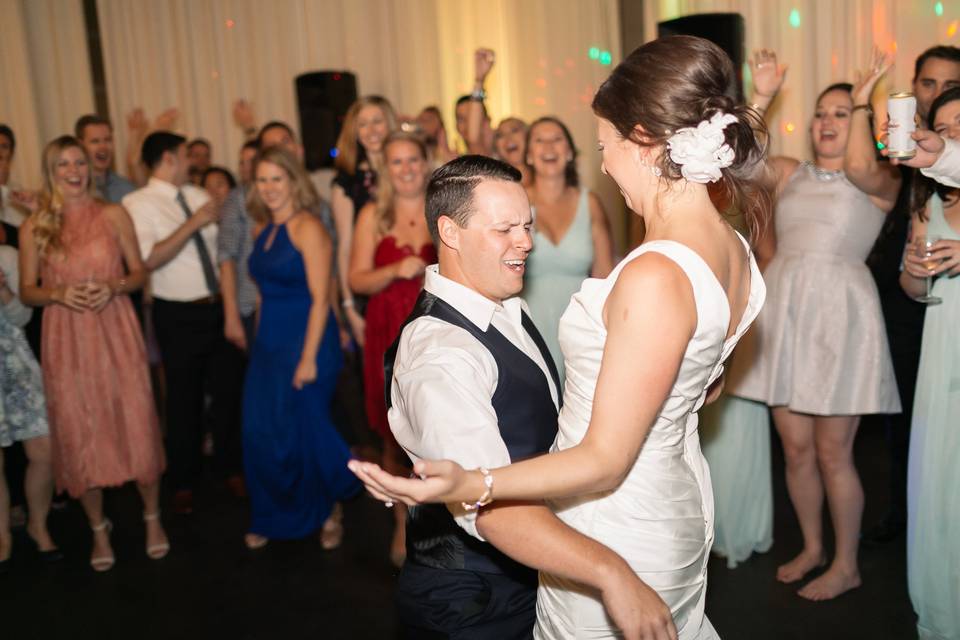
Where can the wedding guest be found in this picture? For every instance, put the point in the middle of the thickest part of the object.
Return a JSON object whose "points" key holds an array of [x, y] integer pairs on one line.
{"points": [[571, 232], [391, 249], [933, 560], [245, 164], [176, 230], [95, 133], [103, 426], [823, 359], [218, 182], [359, 160], [294, 459], [510, 145], [430, 121], [199, 155], [23, 418]]}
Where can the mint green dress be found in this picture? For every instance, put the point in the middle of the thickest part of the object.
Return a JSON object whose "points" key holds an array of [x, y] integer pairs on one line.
{"points": [[555, 272], [933, 475]]}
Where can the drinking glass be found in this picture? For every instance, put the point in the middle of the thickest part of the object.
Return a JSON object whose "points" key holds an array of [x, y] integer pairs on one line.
{"points": [[922, 248]]}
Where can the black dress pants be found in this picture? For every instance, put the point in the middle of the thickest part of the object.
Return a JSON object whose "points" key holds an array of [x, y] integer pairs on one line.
{"points": [[196, 356]]}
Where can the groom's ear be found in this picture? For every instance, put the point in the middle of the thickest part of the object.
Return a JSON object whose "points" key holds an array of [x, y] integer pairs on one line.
{"points": [[449, 232]]}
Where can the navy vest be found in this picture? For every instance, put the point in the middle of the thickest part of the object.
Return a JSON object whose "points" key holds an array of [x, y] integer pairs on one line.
{"points": [[527, 419]]}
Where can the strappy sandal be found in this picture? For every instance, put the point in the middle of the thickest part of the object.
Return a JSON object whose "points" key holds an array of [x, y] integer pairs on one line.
{"points": [[161, 549], [103, 563]]}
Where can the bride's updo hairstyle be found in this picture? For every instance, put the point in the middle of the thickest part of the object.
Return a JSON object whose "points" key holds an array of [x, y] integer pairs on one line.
{"points": [[679, 81]]}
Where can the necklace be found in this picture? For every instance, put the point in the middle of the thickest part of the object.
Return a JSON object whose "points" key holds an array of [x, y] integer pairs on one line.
{"points": [[826, 175]]}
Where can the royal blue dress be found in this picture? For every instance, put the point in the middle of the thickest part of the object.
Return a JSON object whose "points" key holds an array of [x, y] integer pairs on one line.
{"points": [[294, 459]]}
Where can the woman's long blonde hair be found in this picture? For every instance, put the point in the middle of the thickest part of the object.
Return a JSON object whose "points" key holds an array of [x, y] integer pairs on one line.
{"points": [[385, 213], [348, 143], [304, 194], [48, 218]]}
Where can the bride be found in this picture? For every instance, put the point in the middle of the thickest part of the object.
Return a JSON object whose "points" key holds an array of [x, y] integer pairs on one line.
{"points": [[643, 346]]}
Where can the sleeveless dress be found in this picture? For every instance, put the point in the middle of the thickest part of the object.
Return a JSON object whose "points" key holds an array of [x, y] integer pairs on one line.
{"points": [[294, 460], [23, 409], [660, 519], [103, 424], [822, 340], [555, 272], [933, 477], [386, 313]]}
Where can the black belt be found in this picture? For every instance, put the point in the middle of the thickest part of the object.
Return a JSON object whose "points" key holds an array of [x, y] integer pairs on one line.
{"points": [[213, 299]]}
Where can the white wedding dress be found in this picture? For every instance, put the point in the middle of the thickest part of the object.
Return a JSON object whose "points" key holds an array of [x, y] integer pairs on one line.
{"points": [[660, 519]]}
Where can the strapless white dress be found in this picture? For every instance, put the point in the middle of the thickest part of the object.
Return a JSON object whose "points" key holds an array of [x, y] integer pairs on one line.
{"points": [[660, 519]]}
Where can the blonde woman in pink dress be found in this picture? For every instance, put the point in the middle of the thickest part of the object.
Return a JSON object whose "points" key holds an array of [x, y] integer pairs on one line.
{"points": [[103, 424]]}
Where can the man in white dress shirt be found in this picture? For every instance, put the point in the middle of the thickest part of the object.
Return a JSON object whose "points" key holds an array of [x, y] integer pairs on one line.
{"points": [[472, 381], [176, 229]]}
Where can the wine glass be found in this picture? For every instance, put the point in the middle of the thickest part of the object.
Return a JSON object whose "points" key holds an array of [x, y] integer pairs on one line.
{"points": [[923, 248]]}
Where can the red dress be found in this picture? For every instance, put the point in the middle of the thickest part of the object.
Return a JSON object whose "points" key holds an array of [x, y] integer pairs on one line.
{"points": [[386, 312], [103, 425]]}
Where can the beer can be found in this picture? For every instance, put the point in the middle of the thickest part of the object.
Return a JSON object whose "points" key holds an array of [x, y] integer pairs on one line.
{"points": [[902, 109]]}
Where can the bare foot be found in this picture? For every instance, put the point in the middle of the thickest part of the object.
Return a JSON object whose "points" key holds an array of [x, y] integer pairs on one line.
{"points": [[800, 566], [831, 584]]}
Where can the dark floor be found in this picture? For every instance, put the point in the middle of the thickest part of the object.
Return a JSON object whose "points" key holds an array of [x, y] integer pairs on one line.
{"points": [[211, 587]]}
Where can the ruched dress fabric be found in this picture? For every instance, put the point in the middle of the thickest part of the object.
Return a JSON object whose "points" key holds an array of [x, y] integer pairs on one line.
{"points": [[933, 476], [822, 342], [555, 272], [660, 518], [294, 460], [387, 310], [735, 437], [103, 424]]}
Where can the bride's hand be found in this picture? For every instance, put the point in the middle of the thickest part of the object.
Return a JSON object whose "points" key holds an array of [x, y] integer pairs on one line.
{"points": [[438, 481]]}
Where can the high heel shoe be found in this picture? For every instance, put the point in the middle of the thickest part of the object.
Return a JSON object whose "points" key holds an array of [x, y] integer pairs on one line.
{"points": [[48, 556], [103, 563], [332, 533], [159, 550]]}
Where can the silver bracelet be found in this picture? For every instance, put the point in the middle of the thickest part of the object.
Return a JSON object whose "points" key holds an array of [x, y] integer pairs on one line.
{"points": [[487, 496], [347, 303]]}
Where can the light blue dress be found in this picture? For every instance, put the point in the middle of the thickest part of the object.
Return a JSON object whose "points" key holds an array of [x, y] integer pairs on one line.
{"points": [[933, 476], [735, 438], [23, 409], [555, 272]]}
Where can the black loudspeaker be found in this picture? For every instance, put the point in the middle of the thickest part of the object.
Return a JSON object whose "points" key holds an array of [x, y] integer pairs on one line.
{"points": [[323, 98], [723, 29]]}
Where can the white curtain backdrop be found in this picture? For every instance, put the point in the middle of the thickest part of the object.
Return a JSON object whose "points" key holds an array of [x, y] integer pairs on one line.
{"points": [[201, 55], [45, 78], [827, 41]]}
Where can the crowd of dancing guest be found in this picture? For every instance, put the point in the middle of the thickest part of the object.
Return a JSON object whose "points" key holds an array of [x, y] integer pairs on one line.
{"points": [[272, 312]]}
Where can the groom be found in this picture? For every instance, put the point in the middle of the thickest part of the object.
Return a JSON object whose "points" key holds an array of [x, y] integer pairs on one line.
{"points": [[472, 381]]}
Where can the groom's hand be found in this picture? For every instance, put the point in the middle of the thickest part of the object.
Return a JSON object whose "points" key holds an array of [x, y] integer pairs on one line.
{"points": [[637, 609]]}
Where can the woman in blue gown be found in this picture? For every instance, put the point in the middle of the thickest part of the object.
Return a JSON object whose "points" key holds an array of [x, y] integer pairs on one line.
{"points": [[294, 459]]}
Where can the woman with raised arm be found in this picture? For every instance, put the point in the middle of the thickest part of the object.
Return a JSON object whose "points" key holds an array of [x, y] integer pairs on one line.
{"points": [[103, 424], [292, 455], [823, 359], [626, 468], [931, 264]]}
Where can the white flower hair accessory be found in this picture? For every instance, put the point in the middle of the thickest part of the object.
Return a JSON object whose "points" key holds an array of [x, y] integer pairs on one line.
{"points": [[702, 151]]}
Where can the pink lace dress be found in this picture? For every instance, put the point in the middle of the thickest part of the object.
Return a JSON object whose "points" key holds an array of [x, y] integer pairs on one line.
{"points": [[103, 423]]}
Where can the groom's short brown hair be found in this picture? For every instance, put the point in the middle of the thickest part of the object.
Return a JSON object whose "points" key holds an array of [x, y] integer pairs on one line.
{"points": [[450, 191]]}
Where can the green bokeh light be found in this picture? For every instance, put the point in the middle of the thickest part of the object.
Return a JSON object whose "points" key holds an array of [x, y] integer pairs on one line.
{"points": [[938, 9], [594, 53], [605, 57], [795, 18]]}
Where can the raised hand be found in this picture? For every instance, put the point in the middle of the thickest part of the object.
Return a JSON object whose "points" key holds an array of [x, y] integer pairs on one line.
{"points": [[209, 213], [482, 63], [137, 123], [929, 147], [768, 75], [167, 120], [243, 115], [867, 79]]}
